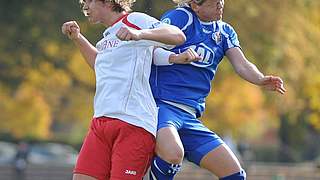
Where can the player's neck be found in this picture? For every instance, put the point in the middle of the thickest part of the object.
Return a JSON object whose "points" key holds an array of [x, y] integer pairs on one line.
{"points": [[112, 18]]}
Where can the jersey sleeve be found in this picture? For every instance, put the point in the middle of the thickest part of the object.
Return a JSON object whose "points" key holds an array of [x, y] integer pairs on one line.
{"points": [[161, 57], [179, 17], [144, 21], [231, 37]]}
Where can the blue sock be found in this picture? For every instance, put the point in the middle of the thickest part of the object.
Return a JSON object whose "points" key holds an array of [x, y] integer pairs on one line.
{"points": [[161, 170], [236, 176]]}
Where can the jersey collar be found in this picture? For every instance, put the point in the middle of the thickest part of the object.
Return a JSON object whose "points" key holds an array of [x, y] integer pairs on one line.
{"points": [[106, 32]]}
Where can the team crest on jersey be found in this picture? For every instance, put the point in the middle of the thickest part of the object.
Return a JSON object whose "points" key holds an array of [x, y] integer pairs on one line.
{"points": [[216, 36], [166, 20]]}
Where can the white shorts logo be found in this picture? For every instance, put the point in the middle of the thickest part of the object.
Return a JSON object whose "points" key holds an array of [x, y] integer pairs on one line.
{"points": [[131, 172]]}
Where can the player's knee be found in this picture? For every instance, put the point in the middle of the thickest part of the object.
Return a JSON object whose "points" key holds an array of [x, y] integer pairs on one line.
{"points": [[236, 176], [173, 156]]}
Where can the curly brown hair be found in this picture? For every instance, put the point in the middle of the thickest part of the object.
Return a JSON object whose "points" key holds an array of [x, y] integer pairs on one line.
{"points": [[118, 5]]}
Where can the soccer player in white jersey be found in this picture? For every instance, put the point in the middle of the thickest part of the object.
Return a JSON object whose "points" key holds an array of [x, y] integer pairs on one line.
{"points": [[180, 91], [121, 139]]}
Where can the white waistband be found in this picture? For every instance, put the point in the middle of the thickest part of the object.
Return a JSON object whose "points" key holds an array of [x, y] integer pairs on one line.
{"points": [[186, 108]]}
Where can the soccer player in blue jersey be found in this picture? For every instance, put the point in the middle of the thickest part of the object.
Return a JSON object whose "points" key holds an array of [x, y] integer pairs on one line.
{"points": [[180, 91]]}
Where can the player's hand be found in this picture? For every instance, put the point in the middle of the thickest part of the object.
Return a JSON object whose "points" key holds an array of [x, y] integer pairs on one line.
{"points": [[186, 57], [273, 83], [71, 29], [128, 34]]}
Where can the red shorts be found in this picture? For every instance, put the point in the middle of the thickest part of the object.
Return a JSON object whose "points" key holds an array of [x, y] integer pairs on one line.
{"points": [[114, 149]]}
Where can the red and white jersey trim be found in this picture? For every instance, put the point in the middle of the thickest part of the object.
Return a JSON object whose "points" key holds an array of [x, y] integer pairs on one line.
{"points": [[129, 24]]}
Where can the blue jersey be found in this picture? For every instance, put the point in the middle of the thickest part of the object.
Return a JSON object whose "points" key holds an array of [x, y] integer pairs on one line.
{"points": [[190, 84]]}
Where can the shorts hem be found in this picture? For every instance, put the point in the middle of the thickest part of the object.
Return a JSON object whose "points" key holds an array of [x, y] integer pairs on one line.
{"points": [[164, 125], [87, 173], [204, 150]]}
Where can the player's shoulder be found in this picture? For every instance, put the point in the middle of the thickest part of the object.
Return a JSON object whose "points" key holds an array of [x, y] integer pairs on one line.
{"points": [[181, 17], [226, 27], [138, 16], [142, 20]]}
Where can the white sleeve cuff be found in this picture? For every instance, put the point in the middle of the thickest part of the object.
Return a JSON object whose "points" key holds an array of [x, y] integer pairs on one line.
{"points": [[161, 57]]}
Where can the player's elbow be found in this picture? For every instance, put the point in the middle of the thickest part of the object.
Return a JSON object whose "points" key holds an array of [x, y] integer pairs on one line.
{"points": [[180, 38]]}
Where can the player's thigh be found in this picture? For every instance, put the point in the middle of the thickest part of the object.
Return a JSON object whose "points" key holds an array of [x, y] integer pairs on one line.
{"points": [[221, 161], [95, 155], [132, 153], [198, 140], [168, 145]]}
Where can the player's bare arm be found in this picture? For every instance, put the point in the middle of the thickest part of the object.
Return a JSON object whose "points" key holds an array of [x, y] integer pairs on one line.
{"points": [[88, 51], [186, 57], [167, 35], [165, 57], [250, 72]]}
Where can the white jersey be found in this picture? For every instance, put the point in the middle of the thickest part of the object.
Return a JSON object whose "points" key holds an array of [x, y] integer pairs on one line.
{"points": [[122, 71]]}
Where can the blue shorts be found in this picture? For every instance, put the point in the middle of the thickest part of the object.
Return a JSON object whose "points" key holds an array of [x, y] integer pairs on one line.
{"points": [[197, 139]]}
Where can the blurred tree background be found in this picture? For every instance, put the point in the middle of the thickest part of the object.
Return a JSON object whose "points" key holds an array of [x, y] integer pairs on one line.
{"points": [[46, 88]]}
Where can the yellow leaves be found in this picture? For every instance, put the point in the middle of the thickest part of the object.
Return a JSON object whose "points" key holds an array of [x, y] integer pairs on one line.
{"points": [[52, 82], [51, 48], [236, 105], [314, 120], [79, 108], [289, 103], [33, 116], [81, 69], [313, 92], [5, 105], [46, 95], [29, 111], [298, 39], [251, 10], [26, 114]]}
